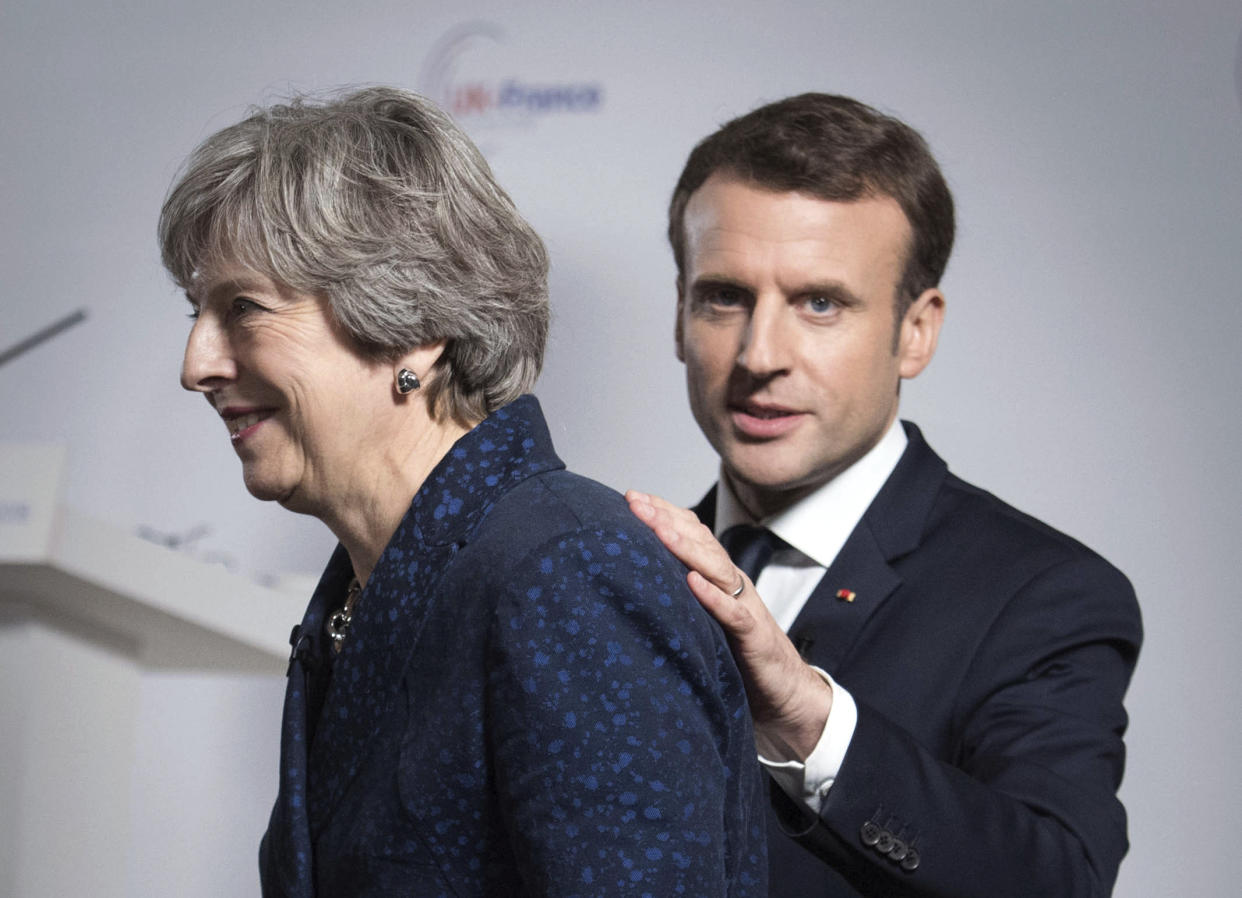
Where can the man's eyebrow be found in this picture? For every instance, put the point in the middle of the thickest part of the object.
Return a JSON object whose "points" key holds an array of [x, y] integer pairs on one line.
{"points": [[832, 290], [718, 280]]}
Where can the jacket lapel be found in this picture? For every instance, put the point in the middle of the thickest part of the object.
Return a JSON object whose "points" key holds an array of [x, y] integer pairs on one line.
{"points": [[285, 853], [862, 576], [506, 448], [850, 591], [382, 638]]}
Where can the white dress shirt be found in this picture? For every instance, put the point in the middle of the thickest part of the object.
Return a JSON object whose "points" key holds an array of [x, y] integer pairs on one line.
{"points": [[816, 528]]}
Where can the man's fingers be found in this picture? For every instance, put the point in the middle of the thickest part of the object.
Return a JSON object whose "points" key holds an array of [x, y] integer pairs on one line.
{"points": [[658, 503], [687, 538], [736, 617]]}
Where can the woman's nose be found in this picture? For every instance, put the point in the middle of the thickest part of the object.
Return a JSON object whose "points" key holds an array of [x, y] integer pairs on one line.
{"points": [[208, 362]]}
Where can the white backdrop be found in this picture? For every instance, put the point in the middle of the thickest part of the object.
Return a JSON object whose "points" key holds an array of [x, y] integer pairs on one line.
{"points": [[1085, 374]]}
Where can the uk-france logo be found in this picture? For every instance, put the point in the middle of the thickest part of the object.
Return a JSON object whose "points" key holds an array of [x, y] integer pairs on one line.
{"points": [[472, 73]]}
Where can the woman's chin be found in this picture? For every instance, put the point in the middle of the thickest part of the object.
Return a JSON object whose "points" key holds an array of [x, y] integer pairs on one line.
{"points": [[266, 489]]}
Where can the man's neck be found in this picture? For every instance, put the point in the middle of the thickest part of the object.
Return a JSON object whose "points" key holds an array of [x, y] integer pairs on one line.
{"points": [[818, 523], [762, 502]]}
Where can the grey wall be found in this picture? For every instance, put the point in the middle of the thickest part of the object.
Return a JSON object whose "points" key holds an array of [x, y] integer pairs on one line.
{"points": [[1086, 371]]}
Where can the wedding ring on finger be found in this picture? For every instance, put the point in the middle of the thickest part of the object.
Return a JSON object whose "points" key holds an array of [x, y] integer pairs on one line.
{"points": [[741, 584]]}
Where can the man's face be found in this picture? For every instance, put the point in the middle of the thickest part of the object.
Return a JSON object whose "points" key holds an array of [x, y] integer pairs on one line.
{"points": [[785, 321]]}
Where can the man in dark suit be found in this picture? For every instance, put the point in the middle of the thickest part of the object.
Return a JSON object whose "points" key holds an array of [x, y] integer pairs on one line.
{"points": [[945, 715]]}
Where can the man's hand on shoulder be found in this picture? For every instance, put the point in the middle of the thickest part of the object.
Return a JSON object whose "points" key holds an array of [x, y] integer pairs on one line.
{"points": [[789, 701]]}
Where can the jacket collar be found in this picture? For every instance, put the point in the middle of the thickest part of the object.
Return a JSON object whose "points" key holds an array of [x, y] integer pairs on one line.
{"points": [[506, 448], [898, 517]]}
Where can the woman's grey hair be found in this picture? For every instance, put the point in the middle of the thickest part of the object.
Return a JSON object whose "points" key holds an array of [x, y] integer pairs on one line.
{"points": [[376, 200]]}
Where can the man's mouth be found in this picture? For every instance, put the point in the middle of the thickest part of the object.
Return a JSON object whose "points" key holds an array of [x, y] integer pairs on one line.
{"points": [[762, 420], [763, 412]]}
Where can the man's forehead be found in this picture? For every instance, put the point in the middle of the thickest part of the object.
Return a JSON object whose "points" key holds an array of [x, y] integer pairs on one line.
{"points": [[731, 221], [724, 191]]}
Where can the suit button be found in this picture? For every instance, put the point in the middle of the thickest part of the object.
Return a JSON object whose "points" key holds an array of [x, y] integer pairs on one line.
{"points": [[910, 862], [870, 833], [899, 850], [885, 843]]}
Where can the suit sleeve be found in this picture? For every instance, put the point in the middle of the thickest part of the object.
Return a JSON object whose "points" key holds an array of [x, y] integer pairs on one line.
{"points": [[1027, 803], [622, 746]]}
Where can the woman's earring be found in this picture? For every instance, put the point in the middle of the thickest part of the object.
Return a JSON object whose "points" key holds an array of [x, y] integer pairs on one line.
{"points": [[407, 381]]}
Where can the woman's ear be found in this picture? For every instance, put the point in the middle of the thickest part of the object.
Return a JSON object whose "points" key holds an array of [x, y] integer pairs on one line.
{"points": [[413, 368]]}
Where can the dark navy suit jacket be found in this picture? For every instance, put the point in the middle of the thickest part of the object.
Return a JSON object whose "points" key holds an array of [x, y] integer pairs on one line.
{"points": [[988, 655], [529, 702]]}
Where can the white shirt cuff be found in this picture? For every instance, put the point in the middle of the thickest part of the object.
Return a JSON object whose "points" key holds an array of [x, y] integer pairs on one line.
{"points": [[809, 781]]}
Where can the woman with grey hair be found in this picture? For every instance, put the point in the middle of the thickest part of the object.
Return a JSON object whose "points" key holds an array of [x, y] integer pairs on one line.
{"points": [[501, 685]]}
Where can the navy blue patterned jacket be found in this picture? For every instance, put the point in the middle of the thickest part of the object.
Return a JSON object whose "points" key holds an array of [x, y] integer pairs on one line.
{"points": [[529, 702]]}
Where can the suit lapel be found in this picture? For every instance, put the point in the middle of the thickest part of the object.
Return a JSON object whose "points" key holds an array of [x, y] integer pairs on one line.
{"points": [[862, 576], [848, 594], [863, 570]]}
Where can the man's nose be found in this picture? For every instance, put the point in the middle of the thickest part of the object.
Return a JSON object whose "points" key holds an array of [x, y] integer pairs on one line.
{"points": [[764, 346]]}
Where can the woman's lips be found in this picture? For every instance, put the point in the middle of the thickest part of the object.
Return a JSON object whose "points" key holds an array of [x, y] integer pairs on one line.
{"points": [[763, 421], [243, 422]]}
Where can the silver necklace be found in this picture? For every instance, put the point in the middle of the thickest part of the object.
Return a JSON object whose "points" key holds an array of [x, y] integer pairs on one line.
{"points": [[337, 624]]}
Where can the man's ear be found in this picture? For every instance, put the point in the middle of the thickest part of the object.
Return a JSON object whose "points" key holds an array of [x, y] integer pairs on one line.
{"points": [[920, 331], [679, 330]]}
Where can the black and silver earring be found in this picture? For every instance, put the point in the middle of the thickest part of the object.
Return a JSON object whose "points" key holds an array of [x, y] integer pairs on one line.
{"points": [[407, 381]]}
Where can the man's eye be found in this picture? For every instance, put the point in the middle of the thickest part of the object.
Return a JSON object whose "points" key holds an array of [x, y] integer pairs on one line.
{"points": [[820, 304], [724, 296]]}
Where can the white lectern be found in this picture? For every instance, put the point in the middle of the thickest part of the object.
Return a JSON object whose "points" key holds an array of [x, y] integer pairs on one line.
{"points": [[85, 608]]}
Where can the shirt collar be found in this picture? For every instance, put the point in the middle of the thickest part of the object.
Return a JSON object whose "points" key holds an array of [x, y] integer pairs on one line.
{"points": [[818, 525]]}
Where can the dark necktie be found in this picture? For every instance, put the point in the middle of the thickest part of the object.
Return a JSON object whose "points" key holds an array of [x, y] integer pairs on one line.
{"points": [[751, 547]]}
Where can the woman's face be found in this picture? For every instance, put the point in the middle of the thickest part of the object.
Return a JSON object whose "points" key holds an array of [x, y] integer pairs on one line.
{"points": [[300, 403]]}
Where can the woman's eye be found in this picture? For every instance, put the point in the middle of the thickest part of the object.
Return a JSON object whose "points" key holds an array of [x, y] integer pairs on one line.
{"points": [[243, 306]]}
